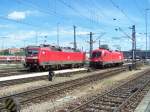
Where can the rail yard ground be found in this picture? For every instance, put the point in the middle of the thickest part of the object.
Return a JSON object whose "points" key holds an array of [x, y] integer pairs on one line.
{"points": [[81, 92], [44, 44], [7, 90], [7, 66]]}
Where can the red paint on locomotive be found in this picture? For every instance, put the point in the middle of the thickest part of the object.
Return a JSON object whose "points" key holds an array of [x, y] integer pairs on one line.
{"points": [[103, 57], [48, 56]]}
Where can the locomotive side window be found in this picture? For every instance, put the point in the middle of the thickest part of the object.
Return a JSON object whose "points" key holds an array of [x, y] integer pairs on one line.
{"points": [[96, 54], [34, 51]]}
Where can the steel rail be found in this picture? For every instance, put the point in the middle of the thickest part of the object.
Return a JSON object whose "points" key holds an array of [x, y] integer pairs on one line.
{"points": [[50, 90], [117, 97]]}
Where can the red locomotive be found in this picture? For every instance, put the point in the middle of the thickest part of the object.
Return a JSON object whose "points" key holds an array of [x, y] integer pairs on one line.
{"points": [[102, 57], [45, 57]]}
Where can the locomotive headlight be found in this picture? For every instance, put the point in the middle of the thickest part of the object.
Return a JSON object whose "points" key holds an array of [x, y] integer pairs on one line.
{"points": [[43, 52]]}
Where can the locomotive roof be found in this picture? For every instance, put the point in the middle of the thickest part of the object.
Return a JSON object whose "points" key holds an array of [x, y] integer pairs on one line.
{"points": [[102, 49], [55, 48]]}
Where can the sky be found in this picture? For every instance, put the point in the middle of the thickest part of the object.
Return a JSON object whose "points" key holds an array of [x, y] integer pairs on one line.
{"points": [[34, 22]]}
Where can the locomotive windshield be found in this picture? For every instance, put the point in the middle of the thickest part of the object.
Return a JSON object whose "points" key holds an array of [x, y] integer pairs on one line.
{"points": [[31, 52], [96, 54]]}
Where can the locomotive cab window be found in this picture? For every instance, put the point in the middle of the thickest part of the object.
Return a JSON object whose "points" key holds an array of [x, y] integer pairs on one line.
{"points": [[32, 52], [96, 54]]}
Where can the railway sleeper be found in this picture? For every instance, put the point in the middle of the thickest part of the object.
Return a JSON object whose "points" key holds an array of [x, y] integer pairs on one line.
{"points": [[100, 107], [120, 94], [90, 110], [117, 96], [110, 101], [111, 104], [124, 97], [113, 98], [121, 90], [130, 107]]}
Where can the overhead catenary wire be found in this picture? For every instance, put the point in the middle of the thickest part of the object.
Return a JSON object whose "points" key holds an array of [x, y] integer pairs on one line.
{"points": [[48, 12], [24, 2], [94, 12], [99, 9], [122, 11], [18, 21], [138, 7], [78, 12], [21, 22], [93, 18], [90, 19], [54, 12], [102, 34], [24, 23], [27, 23]]}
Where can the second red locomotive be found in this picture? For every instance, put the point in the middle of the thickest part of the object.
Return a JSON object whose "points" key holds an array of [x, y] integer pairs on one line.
{"points": [[102, 57], [45, 57]]}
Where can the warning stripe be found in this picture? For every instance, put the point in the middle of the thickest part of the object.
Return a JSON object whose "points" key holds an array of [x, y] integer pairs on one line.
{"points": [[11, 106], [14, 108], [8, 102]]}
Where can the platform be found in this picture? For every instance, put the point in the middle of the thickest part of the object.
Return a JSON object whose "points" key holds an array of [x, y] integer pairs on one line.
{"points": [[14, 77], [144, 106]]}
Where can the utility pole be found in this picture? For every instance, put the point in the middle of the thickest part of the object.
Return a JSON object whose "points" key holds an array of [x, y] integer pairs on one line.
{"points": [[82, 48], [36, 38], [24, 43], [146, 22], [57, 34], [3, 42], [99, 43], [91, 43], [149, 41], [75, 44], [133, 47], [45, 39]]}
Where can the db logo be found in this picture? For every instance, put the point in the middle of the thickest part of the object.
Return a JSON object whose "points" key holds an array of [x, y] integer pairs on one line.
{"points": [[43, 52], [68, 57]]}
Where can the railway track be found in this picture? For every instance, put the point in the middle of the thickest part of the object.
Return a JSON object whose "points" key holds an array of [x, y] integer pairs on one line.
{"points": [[20, 70], [5, 67], [21, 81], [26, 80], [31, 79], [52, 91], [12, 71], [123, 98]]}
